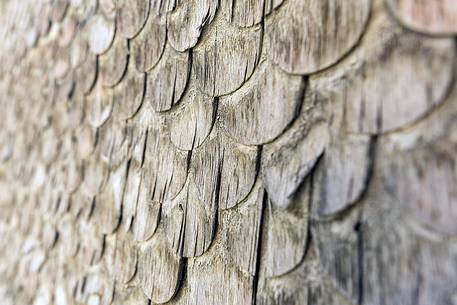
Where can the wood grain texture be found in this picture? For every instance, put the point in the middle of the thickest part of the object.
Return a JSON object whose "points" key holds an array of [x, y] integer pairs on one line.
{"points": [[338, 248], [269, 94], [191, 123], [308, 36], [131, 195], [244, 13], [114, 141], [108, 203], [187, 21], [87, 73], [287, 161], [189, 222], [341, 176], [148, 46], [268, 152], [426, 157], [304, 285], [131, 15], [243, 229], [223, 170], [129, 94], [431, 17], [226, 58], [379, 99], [287, 234], [217, 274], [165, 166], [166, 82], [125, 257], [147, 211]]}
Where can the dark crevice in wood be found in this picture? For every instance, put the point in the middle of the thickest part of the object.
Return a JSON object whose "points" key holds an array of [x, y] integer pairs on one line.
{"points": [[262, 232]]}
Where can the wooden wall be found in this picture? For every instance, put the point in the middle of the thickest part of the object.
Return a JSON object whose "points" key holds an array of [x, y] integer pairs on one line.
{"points": [[219, 152]]}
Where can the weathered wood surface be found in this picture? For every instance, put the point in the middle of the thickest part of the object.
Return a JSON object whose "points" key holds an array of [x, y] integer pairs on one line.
{"points": [[218, 152]]}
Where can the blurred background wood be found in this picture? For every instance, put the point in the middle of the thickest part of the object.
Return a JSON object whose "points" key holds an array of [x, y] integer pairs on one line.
{"points": [[211, 152]]}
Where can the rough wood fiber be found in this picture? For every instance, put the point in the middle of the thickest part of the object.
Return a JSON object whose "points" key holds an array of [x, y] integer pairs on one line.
{"points": [[308, 36], [303, 285], [128, 95], [192, 122], [148, 46], [187, 21], [224, 171], [67, 32], [167, 81], [228, 284], [242, 227], [108, 203], [131, 195], [99, 105], [226, 58], [114, 140], [268, 152], [158, 269], [147, 212], [387, 78], [287, 234], [125, 257], [427, 170], [269, 94], [189, 222], [287, 161], [342, 173], [78, 50], [164, 6], [337, 244], [244, 13], [87, 73], [165, 166]]}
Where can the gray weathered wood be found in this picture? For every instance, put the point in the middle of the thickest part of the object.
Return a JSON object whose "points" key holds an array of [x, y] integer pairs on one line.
{"points": [[189, 222], [287, 161], [242, 227], [244, 13], [147, 211], [166, 166], [113, 64], [166, 82], [308, 36], [159, 269], [269, 94], [287, 237], [223, 170], [387, 77], [268, 152], [147, 48], [87, 73], [432, 17], [192, 122], [187, 21], [131, 15], [128, 95], [108, 204], [226, 58]]}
